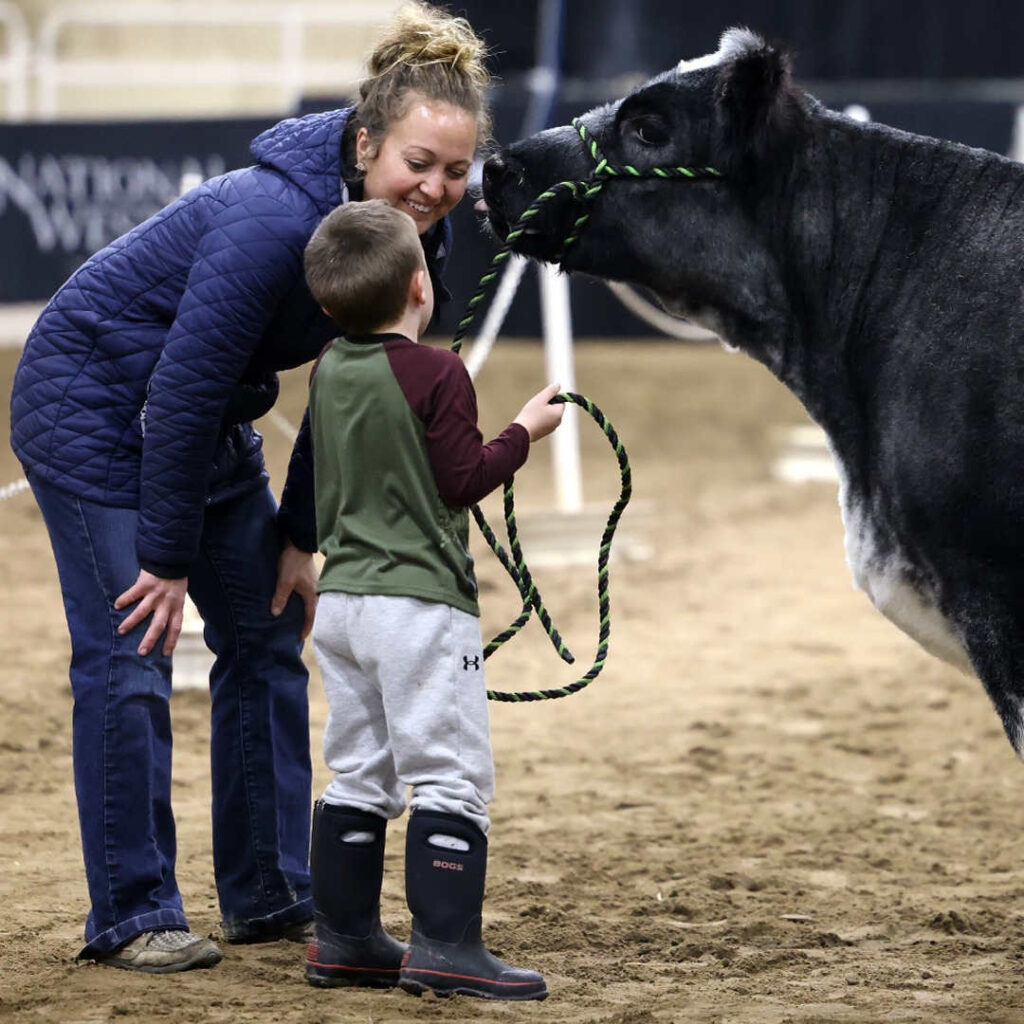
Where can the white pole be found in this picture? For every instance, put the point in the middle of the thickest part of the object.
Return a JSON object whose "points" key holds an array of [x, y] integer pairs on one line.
{"points": [[192, 658], [496, 314], [18, 54], [46, 64], [1017, 143], [556, 316], [293, 30]]}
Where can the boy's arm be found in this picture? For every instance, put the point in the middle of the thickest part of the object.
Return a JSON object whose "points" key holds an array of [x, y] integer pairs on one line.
{"points": [[465, 469], [296, 524], [296, 517]]}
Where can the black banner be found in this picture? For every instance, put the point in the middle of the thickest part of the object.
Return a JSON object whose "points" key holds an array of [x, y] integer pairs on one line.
{"points": [[67, 190]]}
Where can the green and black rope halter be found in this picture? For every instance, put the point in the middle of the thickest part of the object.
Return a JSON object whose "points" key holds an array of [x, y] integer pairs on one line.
{"points": [[582, 193]]}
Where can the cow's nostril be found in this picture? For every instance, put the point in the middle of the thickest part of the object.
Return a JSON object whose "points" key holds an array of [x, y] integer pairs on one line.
{"points": [[496, 172]]}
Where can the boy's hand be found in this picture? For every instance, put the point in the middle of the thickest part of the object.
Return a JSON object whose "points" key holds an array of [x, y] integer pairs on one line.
{"points": [[164, 599], [295, 573], [538, 416]]}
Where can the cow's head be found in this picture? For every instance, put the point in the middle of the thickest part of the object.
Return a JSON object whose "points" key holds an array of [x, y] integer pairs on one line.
{"points": [[735, 110]]}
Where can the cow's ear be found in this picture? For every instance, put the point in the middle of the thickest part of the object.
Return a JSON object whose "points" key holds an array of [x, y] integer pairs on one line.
{"points": [[753, 87]]}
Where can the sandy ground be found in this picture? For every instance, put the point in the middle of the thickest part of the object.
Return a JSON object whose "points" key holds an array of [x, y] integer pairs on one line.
{"points": [[771, 807]]}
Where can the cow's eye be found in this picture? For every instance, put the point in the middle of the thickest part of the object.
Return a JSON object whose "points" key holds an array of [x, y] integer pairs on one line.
{"points": [[650, 132]]}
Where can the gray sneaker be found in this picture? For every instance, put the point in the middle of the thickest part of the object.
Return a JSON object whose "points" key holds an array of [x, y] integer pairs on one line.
{"points": [[163, 952]]}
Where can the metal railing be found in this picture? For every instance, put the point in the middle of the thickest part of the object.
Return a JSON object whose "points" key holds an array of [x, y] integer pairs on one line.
{"points": [[289, 72], [14, 64]]}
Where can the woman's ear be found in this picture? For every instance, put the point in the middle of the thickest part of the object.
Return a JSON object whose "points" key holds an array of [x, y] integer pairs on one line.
{"points": [[365, 149]]}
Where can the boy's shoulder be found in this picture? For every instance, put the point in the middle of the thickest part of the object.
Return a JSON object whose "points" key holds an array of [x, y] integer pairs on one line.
{"points": [[431, 378], [443, 361]]}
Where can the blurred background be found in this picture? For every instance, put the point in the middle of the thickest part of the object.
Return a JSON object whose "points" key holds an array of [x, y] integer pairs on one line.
{"points": [[112, 108]]}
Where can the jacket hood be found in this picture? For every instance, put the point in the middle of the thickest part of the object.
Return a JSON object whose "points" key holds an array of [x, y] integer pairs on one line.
{"points": [[307, 150]]}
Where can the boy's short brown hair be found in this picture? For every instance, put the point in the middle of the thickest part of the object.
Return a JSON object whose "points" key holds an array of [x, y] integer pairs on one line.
{"points": [[359, 263]]}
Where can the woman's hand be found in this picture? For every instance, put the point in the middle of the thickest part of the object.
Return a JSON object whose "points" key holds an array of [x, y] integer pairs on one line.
{"points": [[164, 600], [296, 573]]}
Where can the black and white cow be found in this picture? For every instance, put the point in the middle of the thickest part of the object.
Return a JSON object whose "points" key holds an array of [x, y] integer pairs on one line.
{"points": [[878, 274]]}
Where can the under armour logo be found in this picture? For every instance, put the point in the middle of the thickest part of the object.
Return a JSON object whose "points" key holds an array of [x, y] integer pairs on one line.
{"points": [[474, 661]]}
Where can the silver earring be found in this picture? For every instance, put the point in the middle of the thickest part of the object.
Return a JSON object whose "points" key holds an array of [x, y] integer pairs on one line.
{"points": [[360, 167]]}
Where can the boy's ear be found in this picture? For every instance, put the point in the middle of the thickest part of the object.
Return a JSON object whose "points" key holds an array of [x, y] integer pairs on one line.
{"points": [[418, 287]]}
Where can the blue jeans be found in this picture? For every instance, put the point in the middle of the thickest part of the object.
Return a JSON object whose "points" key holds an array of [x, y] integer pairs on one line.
{"points": [[259, 736]]}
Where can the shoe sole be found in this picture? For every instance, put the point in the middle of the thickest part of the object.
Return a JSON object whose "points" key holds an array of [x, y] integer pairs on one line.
{"points": [[465, 987], [209, 959]]}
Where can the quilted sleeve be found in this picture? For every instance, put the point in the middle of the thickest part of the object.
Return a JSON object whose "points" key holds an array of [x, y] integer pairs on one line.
{"points": [[247, 259]]}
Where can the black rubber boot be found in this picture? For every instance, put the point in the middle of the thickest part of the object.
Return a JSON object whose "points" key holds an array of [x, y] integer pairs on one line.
{"points": [[350, 946], [445, 891]]}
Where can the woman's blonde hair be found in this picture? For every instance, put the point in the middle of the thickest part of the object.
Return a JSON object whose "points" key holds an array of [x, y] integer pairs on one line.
{"points": [[428, 51]]}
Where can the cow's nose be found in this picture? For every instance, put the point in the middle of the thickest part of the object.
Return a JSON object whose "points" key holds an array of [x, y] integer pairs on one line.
{"points": [[497, 173]]}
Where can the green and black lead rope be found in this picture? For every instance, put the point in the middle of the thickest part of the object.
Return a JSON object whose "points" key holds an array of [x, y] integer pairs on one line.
{"points": [[516, 568], [583, 193]]}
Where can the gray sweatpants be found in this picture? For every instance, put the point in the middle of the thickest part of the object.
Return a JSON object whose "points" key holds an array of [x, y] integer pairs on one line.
{"points": [[408, 706]]}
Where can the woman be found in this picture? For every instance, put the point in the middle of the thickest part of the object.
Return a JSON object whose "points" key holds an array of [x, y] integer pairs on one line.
{"points": [[130, 412]]}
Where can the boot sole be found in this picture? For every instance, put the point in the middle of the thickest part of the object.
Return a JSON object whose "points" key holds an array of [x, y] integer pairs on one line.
{"points": [[465, 985], [339, 976]]}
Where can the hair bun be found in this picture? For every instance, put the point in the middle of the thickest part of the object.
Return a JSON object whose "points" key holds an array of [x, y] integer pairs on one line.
{"points": [[426, 51], [420, 35]]}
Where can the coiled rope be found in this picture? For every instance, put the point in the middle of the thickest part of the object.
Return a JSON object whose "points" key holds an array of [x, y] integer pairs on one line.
{"points": [[582, 193]]}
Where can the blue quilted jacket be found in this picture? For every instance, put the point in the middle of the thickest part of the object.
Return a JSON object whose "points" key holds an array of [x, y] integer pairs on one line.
{"points": [[123, 393]]}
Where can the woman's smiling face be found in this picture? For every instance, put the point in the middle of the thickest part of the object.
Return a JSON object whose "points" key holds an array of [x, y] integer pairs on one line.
{"points": [[422, 165]]}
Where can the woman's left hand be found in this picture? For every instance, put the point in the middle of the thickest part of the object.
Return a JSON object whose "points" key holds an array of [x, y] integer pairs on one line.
{"points": [[296, 573]]}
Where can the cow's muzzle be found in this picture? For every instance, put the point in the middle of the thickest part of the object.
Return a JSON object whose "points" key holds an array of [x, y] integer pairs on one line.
{"points": [[499, 180], [508, 192]]}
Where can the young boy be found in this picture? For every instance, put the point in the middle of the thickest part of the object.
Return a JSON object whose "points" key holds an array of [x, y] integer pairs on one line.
{"points": [[397, 460]]}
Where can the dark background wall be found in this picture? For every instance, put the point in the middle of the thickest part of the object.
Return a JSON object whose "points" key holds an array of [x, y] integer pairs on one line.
{"points": [[942, 39]]}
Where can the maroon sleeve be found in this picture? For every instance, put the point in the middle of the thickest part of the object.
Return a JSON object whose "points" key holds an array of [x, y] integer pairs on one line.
{"points": [[438, 389]]}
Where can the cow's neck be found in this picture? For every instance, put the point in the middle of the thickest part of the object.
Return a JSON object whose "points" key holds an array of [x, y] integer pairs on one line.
{"points": [[874, 223]]}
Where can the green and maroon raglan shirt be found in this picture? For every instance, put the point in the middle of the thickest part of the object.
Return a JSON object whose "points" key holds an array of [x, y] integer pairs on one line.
{"points": [[398, 459]]}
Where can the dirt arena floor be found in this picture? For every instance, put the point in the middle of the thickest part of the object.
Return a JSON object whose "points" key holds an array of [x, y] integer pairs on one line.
{"points": [[771, 807]]}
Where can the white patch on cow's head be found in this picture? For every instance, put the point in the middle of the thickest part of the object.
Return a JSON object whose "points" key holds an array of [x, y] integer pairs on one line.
{"points": [[857, 112], [734, 41]]}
